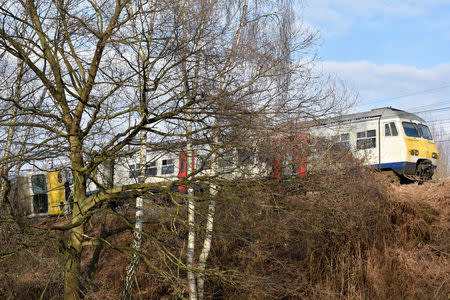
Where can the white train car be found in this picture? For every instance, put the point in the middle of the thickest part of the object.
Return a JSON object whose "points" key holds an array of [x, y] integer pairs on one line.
{"points": [[386, 139], [169, 165]]}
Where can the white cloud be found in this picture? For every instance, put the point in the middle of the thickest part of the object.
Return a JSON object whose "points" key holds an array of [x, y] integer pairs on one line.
{"points": [[400, 86]]}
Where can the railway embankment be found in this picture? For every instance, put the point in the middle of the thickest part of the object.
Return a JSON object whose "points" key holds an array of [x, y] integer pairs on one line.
{"points": [[342, 235]]}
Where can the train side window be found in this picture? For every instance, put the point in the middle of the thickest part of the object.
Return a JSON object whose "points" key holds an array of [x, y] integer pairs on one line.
{"points": [[393, 129], [151, 169], [387, 130], [246, 156], [366, 139], [202, 161], [134, 170], [345, 140], [167, 167], [226, 161], [411, 129]]}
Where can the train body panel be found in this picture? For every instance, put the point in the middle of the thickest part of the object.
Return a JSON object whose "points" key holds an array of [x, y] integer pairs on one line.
{"points": [[385, 138]]}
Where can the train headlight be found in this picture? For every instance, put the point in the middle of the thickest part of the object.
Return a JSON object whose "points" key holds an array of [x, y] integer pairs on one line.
{"points": [[414, 152], [434, 155]]}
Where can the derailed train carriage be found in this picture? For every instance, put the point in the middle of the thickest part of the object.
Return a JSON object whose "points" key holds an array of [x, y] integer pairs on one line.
{"points": [[41, 193]]}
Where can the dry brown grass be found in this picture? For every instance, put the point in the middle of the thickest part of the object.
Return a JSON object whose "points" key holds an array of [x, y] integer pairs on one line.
{"points": [[34, 268], [334, 235]]}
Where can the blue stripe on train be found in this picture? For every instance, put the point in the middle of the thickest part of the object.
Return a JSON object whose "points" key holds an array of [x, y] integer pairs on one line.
{"points": [[399, 167]]}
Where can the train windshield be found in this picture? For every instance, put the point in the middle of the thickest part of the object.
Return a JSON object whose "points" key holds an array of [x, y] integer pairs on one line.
{"points": [[416, 130], [425, 132], [39, 184]]}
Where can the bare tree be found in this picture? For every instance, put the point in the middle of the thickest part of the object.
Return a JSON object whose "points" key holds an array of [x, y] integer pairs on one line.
{"points": [[160, 71], [142, 58], [281, 91]]}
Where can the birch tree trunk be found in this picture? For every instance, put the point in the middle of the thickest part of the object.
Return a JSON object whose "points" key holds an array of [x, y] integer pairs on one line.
{"points": [[214, 166], [209, 224], [130, 274], [191, 88], [190, 253], [137, 241]]}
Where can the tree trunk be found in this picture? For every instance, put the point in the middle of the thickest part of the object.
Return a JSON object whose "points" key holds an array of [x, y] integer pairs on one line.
{"points": [[137, 241], [206, 247], [72, 286], [4, 183], [72, 280], [72, 283], [209, 223], [191, 215]]}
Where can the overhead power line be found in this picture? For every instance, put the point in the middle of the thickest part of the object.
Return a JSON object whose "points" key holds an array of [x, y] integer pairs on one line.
{"points": [[404, 96], [439, 120], [430, 110], [426, 106]]}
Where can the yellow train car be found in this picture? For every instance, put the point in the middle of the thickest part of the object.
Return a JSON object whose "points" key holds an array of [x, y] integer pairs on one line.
{"points": [[40, 194]]}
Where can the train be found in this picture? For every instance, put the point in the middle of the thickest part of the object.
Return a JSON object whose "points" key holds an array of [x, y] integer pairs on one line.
{"points": [[387, 139]]}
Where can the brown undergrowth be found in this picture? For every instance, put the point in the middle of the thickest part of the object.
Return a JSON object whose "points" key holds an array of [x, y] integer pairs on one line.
{"points": [[333, 235], [351, 236]]}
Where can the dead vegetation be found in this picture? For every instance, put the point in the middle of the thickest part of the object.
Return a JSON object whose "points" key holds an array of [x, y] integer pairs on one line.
{"points": [[345, 234]]}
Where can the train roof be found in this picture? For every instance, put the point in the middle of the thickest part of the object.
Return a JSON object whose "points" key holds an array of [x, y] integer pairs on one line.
{"points": [[383, 112]]}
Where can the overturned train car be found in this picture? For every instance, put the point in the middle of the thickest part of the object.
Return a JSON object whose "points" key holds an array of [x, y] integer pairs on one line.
{"points": [[41, 194]]}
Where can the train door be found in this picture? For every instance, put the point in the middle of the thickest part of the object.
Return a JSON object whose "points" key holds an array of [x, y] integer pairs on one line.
{"points": [[183, 169], [289, 156], [40, 197], [302, 168], [367, 142], [391, 144], [56, 193]]}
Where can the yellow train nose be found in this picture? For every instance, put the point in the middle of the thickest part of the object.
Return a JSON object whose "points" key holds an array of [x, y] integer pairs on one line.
{"points": [[421, 147]]}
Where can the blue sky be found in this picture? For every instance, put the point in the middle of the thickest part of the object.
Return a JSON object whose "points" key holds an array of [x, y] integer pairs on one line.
{"points": [[393, 53]]}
